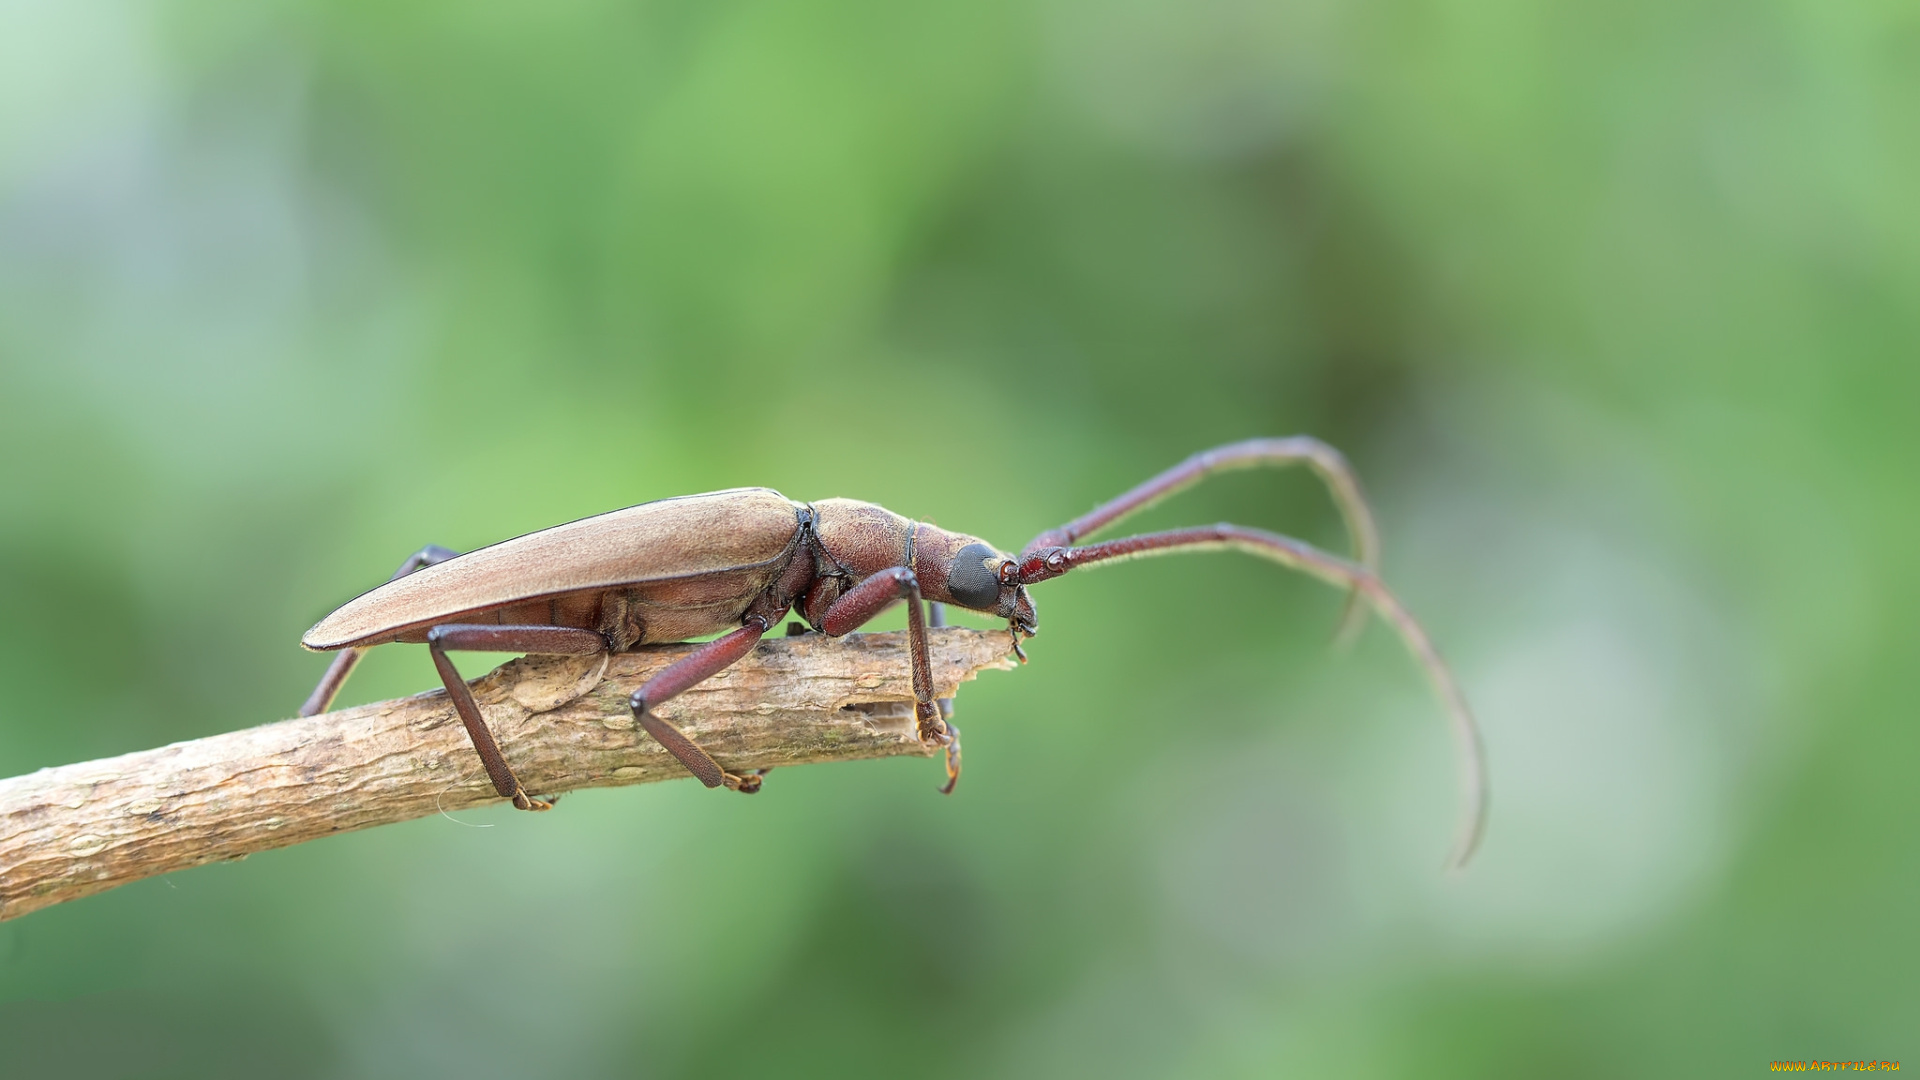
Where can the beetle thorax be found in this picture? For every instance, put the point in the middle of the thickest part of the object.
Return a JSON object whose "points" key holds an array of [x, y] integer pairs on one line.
{"points": [[859, 539]]}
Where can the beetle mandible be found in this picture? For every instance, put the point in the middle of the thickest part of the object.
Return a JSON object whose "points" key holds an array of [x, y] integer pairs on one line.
{"points": [[740, 560]]}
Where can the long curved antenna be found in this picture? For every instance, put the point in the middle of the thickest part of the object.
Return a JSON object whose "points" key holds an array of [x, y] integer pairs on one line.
{"points": [[1326, 462], [1044, 563]]}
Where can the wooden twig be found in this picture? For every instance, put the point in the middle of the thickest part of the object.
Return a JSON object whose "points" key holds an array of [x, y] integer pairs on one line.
{"points": [[75, 830]]}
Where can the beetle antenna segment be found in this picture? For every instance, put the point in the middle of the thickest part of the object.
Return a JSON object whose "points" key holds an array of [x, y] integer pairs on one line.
{"points": [[1326, 462], [1041, 565]]}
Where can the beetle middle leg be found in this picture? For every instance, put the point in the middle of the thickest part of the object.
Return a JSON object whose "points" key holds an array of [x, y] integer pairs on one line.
{"points": [[346, 660], [682, 675], [555, 640]]}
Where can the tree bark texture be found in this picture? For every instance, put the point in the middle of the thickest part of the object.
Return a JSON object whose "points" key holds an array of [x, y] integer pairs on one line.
{"points": [[563, 723]]}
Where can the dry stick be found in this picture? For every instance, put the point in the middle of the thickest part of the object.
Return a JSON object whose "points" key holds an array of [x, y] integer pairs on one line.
{"points": [[75, 830]]}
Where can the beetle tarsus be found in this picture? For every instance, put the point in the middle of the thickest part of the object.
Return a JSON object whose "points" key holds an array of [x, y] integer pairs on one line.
{"points": [[953, 760], [524, 801], [933, 728]]}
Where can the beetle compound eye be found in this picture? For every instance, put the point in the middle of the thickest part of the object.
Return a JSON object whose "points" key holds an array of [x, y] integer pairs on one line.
{"points": [[974, 580]]}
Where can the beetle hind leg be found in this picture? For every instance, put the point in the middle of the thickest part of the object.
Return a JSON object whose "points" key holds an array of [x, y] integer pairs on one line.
{"points": [[346, 660], [552, 640]]}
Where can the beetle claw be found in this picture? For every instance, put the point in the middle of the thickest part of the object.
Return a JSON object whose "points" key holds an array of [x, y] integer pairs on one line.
{"points": [[524, 801], [934, 730], [745, 785], [953, 760]]}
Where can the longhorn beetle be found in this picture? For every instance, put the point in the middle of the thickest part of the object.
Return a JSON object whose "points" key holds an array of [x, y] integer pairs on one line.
{"points": [[739, 560]]}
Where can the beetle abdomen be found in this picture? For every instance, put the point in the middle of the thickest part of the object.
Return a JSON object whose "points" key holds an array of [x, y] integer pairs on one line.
{"points": [[705, 548]]}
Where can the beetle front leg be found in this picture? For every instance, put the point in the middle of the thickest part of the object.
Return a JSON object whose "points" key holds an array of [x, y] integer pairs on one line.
{"points": [[346, 660], [682, 675], [869, 598], [937, 617], [553, 640]]}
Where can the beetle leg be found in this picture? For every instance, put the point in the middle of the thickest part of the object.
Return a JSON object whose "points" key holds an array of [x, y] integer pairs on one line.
{"points": [[342, 666], [682, 675], [558, 640], [868, 599], [937, 616], [346, 660], [1327, 462]]}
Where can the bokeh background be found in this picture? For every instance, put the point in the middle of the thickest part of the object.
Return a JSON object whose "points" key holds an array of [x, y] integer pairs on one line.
{"points": [[1616, 307]]}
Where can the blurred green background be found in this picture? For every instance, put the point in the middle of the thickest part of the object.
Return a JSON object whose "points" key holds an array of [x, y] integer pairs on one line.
{"points": [[1615, 306]]}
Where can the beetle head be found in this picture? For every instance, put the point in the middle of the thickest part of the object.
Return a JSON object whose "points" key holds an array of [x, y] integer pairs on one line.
{"points": [[983, 579]]}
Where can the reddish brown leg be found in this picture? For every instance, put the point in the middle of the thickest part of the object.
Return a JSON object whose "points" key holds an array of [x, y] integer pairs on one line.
{"points": [[1331, 466], [460, 637], [869, 598], [1045, 562], [682, 675], [937, 616], [346, 660]]}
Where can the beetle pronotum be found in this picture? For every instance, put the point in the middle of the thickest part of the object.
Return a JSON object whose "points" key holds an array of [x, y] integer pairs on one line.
{"points": [[739, 560]]}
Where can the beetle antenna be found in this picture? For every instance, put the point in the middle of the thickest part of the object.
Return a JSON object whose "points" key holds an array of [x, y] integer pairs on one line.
{"points": [[1329, 464], [1045, 563]]}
